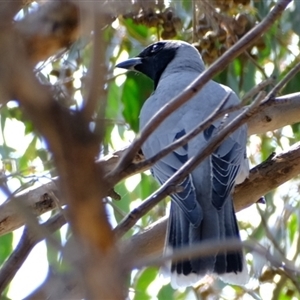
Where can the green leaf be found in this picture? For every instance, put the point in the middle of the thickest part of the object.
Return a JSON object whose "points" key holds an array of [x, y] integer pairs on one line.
{"points": [[52, 254], [28, 127], [166, 292], [5, 246], [29, 155], [113, 109], [295, 16], [296, 131], [187, 5], [125, 201], [147, 186], [16, 113], [293, 85], [138, 32], [293, 226], [143, 280], [43, 154], [136, 90]]}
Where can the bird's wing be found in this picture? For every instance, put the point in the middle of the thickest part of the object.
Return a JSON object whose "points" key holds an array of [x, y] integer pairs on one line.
{"points": [[226, 163], [186, 197]]}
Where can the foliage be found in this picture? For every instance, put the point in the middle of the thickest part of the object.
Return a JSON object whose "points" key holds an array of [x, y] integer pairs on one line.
{"points": [[273, 55]]}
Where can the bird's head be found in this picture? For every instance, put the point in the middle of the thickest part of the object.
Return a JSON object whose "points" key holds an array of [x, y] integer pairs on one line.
{"points": [[169, 56]]}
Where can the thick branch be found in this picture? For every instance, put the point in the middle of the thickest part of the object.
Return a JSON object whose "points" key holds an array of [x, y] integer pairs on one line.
{"points": [[74, 147], [267, 176], [38, 201], [276, 114]]}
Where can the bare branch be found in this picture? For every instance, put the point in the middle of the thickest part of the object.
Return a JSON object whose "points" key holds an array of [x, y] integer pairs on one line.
{"points": [[74, 148], [197, 84], [206, 248], [38, 200], [279, 112], [259, 87], [280, 168], [28, 240], [281, 84], [55, 25], [97, 78]]}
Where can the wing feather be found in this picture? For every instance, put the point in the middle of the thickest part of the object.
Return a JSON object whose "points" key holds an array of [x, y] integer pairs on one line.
{"points": [[186, 199], [226, 161]]}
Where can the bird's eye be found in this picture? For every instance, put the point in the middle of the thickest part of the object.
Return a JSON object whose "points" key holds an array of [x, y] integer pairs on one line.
{"points": [[152, 50], [155, 48]]}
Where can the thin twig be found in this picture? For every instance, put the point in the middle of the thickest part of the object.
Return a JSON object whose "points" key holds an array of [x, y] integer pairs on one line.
{"points": [[256, 64], [281, 84], [207, 247], [269, 234], [201, 80], [97, 73], [259, 87], [194, 20], [28, 240], [170, 185], [33, 225]]}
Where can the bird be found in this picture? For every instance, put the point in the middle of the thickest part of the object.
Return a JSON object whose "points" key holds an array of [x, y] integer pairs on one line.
{"points": [[201, 208]]}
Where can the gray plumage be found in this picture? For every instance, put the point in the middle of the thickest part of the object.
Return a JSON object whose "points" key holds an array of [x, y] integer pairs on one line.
{"points": [[204, 209]]}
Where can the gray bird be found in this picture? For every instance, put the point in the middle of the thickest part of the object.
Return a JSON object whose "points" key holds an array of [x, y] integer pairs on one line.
{"points": [[203, 210]]}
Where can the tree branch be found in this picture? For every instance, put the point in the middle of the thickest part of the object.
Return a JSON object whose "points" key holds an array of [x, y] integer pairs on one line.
{"points": [[275, 114], [281, 84], [27, 242], [207, 247], [97, 76], [38, 201], [74, 147]]}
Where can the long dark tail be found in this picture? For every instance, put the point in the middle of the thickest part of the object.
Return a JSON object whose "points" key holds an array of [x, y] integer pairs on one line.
{"points": [[217, 225]]}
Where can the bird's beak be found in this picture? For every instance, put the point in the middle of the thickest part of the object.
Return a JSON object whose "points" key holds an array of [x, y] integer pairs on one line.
{"points": [[129, 64]]}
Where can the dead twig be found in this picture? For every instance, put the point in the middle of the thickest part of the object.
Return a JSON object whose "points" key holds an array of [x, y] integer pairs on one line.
{"points": [[259, 87], [281, 84]]}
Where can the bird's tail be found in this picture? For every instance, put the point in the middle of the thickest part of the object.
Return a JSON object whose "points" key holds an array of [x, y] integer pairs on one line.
{"points": [[217, 225]]}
